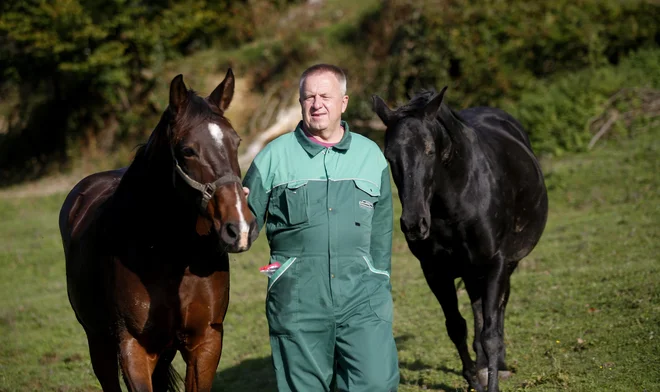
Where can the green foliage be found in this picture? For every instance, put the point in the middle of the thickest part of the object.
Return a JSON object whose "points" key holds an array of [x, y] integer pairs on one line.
{"points": [[92, 60], [551, 64], [555, 112], [489, 49]]}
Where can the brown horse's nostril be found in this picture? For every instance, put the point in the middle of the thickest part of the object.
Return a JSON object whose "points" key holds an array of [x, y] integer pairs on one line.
{"points": [[230, 233]]}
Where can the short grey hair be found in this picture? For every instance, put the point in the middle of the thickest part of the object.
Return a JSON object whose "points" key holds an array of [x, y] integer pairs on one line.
{"points": [[322, 68]]}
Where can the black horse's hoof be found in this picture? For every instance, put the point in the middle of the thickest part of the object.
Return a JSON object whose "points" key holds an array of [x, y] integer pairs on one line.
{"points": [[482, 375]]}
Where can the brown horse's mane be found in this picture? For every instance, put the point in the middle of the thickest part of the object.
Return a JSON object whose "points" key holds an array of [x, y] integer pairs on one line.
{"points": [[196, 111]]}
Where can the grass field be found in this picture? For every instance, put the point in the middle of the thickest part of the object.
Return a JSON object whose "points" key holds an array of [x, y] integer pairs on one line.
{"points": [[584, 313]]}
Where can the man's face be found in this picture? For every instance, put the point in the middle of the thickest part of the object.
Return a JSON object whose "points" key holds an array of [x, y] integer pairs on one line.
{"points": [[322, 102]]}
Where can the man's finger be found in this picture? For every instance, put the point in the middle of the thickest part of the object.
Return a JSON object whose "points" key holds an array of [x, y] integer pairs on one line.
{"points": [[246, 191]]}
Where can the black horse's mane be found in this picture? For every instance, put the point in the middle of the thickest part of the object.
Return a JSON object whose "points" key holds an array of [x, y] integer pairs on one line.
{"points": [[417, 105]]}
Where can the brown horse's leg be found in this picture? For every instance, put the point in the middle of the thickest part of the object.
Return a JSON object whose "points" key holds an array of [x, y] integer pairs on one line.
{"points": [[136, 364], [202, 355], [445, 292], [103, 353]]}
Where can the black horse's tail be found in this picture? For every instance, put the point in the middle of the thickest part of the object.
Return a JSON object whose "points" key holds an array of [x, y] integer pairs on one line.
{"points": [[165, 378]]}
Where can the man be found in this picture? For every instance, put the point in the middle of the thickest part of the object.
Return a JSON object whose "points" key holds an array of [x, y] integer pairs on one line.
{"points": [[326, 194]]}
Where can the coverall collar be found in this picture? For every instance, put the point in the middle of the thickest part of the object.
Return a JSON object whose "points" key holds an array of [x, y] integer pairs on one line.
{"points": [[313, 148]]}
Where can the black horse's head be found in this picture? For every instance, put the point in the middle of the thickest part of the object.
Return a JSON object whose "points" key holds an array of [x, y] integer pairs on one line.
{"points": [[202, 147], [415, 144]]}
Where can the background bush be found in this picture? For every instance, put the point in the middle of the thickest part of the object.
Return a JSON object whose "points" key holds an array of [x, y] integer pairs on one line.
{"points": [[83, 72]]}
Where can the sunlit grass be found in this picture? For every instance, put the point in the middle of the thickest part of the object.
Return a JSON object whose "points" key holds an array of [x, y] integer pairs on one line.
{"points": [[584, 313]]}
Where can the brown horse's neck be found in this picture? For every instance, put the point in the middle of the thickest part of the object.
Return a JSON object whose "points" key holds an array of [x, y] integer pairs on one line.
{"points": [[146, 194]]}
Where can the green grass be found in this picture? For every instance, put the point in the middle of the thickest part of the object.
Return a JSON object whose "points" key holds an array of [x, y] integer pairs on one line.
{"points": [[584, 313]]}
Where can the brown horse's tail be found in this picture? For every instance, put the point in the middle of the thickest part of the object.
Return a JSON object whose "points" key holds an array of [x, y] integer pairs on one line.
{"points": [[165, 377]]}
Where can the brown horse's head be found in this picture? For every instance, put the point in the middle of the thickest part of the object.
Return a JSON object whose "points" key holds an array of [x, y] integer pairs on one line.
{"points": [[204, 149]]}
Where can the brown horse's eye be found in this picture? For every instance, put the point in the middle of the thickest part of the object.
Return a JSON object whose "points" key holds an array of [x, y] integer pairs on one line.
{"points": [[188, 152]]}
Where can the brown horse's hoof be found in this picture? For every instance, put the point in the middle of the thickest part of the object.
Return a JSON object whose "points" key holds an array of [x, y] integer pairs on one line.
{"points": [[482, 375]]}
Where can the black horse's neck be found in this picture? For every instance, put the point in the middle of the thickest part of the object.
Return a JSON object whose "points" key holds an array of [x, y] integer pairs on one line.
{"points": [[456, 141], [456, 168]]}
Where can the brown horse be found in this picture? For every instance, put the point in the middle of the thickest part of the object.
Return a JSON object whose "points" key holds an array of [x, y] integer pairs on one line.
{"points": [[146, 247]]}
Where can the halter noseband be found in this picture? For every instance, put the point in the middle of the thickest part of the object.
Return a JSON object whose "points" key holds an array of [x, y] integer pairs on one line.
{"points": [[207, 189]]}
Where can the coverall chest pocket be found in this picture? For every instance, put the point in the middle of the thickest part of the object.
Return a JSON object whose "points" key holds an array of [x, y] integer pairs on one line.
{"points": [[364, 201], [296, 202]]}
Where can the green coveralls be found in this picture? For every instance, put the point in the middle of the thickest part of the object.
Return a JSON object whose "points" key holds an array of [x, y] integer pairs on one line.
{"points": [[330, 225]]}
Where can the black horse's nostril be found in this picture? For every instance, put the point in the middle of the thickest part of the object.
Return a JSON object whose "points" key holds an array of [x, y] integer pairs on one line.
{"points": [[423, 225], [415, 228]]}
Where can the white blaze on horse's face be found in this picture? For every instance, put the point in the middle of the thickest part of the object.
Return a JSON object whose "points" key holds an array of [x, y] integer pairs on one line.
{"points": [[216, 133], [243, 226]]}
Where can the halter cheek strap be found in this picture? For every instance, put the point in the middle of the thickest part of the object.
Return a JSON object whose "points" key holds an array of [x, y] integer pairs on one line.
{"points": [[207, 189]]}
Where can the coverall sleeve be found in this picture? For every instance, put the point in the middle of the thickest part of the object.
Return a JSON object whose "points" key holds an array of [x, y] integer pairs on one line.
{"points": [[381, 232], [258, 197]]}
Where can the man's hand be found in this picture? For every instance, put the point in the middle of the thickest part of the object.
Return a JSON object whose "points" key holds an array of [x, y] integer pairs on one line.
{"points": [[246, 191]]}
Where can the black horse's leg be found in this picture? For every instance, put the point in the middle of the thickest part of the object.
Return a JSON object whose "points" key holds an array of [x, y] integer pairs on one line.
{"points": [[103, 353], [444, 290], [475, 289], [491, 338], [504, 370]]}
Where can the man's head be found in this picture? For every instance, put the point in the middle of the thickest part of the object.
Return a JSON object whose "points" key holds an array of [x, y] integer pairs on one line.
{"points": [[323, 98]]}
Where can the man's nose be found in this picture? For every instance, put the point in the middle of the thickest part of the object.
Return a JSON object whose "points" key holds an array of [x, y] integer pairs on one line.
{"points": [[316, 104]]}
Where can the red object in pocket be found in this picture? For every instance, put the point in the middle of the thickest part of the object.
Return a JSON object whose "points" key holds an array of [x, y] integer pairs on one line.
{"points": [[270, 269]]}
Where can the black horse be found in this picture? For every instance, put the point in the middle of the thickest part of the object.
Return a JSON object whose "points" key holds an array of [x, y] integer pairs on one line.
{"points": [[474, 204]]}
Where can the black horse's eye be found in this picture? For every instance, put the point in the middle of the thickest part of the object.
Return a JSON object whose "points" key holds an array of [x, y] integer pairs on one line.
{"points": [[188, 152]]}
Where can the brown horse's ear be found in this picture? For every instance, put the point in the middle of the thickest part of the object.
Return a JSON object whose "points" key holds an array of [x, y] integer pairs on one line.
{"points": [[203, 226], [178, 93], [381, 109], [431, 108], [223, 94]]}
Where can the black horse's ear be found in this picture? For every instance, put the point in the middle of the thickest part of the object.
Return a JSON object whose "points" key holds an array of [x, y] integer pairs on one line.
{"points": [[178, 93], [431, 108], [222, 95], [381, 109]]}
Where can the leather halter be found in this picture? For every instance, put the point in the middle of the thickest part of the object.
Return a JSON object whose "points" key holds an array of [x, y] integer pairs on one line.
{"points": [[207, 189]]}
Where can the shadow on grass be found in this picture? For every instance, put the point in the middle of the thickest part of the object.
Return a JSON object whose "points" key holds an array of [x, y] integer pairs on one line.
{"points": [[257, 374], [434, 387], [418, 365], [251, 375]]}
